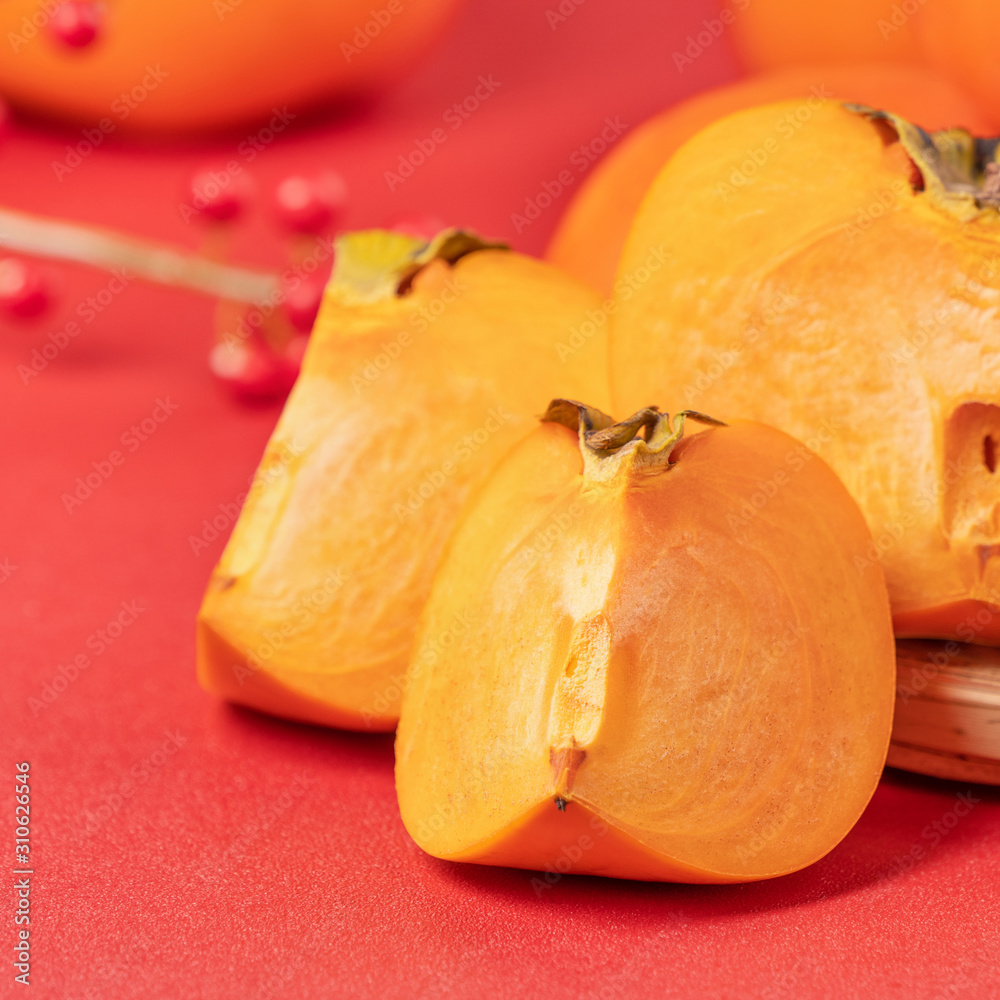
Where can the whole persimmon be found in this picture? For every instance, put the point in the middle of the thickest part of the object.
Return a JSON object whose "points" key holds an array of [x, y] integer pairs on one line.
{"points": [[842, 285], [150, 65], [425, 366], [592, 232], [774, 33], [649, 657], [959, 39]]}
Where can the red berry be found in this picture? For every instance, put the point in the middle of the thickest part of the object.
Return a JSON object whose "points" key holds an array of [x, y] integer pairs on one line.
{"points": [[22, 288], [309, 204], [252, 371], [219, 193], [422, 226], [76, 23], [302, 303], [296, 350]]}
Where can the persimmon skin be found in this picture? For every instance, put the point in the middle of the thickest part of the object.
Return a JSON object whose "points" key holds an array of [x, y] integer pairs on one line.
{"points": [[834, 301], [773, 33], [717, 676], [957, 39], [960, 39], [965, 621], [591, 235], [189, 66], [403, 406]]}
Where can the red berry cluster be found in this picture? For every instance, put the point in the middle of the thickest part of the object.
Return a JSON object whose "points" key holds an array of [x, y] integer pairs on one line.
{"points": [[76, 23], [261, 360], [259, 344]]}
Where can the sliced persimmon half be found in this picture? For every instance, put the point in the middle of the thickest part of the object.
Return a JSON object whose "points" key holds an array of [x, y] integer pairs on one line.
{"points": [[649, 656]]}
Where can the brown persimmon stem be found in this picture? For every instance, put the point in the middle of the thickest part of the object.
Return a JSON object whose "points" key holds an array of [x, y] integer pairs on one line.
{"points": [[960, 171], [606, 444], [374, 265]]}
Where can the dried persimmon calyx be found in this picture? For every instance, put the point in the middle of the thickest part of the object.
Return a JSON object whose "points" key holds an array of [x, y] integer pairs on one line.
{"points": [[644, 440]]}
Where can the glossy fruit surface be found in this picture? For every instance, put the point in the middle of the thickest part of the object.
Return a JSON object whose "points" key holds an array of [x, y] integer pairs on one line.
{"points": [[592, 232], [773, 33], [958, 39], [218, 194], [839, 282], [310, 204], [426, 364], [76, 23], [252, 371], [23, 292], [649, 659], [961, 39], [189, 65]]}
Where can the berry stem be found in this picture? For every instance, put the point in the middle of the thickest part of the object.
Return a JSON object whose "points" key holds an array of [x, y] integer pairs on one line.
{"points": [[159, 263]]}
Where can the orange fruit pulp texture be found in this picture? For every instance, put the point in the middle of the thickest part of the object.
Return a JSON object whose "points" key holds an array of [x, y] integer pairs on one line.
{"points": [[183, 66], [621, 672], [844, 291], [426, 364], [958, 39], [591, 234]]}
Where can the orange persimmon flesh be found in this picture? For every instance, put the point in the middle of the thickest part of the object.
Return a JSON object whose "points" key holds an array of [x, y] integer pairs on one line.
{"points": [[844, 291], [649, 660], [425, 366], [592, 232]]}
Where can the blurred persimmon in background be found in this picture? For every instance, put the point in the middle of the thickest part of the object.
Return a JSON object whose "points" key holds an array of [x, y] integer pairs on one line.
{"points": [[191, 65], [591, 235], [958, 38], [774, 33], [841, 286], [961, 39]]}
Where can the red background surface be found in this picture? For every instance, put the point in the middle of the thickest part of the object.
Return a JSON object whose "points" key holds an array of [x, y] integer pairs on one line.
{"points": [[211, 879]]}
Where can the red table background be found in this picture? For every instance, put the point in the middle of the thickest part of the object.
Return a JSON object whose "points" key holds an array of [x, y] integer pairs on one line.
{"points": [[267, 859]]}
